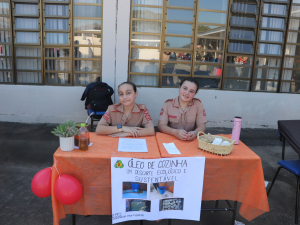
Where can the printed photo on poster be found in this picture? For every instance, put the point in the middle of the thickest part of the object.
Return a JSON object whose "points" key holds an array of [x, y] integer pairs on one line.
{"points": [[162, 190], [134, 190], [138, 205], [171, 204]]}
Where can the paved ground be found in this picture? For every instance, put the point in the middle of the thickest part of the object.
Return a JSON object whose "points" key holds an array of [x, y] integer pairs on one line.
{"points": [[25, 149]]}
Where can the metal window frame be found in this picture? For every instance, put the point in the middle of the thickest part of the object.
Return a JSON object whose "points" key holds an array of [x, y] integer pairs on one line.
{"points": [[97, 32], [10, 44], [275, 15], [244, 12], [56, 44], [27, 15], [26, 1], [23, 43], [56, 16], [53, 30], [56, 2], [57, 72], [28, 45], [131, 46], [240, 53], [275, 1], [25, 29], [270, 28], [242, 39], [259, 41], [272, 42], [212, 11]]}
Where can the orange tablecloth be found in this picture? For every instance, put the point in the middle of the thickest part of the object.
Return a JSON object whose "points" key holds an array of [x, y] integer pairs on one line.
{"points": [[92, 169], [237, 177]]}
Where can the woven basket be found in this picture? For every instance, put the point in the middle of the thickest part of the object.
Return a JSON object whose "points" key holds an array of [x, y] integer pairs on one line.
{"points": [[216, 149]]}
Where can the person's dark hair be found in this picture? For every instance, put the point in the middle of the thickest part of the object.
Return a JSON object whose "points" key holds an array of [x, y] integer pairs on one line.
{"points": [[130, 83], [190, 79]]}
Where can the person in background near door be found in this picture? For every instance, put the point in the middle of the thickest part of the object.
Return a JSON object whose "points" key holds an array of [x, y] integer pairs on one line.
{"points": [[183, 116], [126, 118]]}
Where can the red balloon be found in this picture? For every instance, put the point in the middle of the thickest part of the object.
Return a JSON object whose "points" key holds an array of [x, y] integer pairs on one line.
{"points": [[67, 190], [41, 183]]}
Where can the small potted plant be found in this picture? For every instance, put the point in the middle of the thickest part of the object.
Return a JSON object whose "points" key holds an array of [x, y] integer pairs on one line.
{"points": [[66, 134]]}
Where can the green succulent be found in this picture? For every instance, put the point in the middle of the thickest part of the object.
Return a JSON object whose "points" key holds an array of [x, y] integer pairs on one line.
{"points": [[68, 129]]}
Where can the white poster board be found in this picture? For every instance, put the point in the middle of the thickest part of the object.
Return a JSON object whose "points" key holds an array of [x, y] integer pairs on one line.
{"points": [[153, 189]]}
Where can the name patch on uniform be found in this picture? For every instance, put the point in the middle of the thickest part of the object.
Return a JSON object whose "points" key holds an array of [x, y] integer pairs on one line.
{"points": [[172, 116], [204, 114], [106, 116]]}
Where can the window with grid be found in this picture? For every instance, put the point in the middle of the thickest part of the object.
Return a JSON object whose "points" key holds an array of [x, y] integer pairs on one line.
{"points": [[145, 42], [270, 46], [173, 39], [57, 44], [241, 39], [225, 44], [290, 81], [27, 41], [210, 42], [87, 40], [6, 68]]}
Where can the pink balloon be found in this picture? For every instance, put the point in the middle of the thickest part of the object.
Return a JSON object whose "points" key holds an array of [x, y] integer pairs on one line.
{"points": [[67, 190], [41, 183]]}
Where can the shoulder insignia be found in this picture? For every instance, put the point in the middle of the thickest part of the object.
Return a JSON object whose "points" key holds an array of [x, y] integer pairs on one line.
{"points": [[147, 115], [141, 106], [197, 99], [106, 116], [169, 100], [162, 111], [113, 108]]}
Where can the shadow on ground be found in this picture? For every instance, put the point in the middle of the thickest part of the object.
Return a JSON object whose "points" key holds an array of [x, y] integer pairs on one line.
{"points": [[27, 148]]}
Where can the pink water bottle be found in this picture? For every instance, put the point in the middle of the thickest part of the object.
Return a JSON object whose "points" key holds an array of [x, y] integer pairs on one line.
{"points": [[236, 130]]}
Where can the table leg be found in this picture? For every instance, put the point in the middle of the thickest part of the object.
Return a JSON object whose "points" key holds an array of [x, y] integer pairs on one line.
{"points": [[217, 203], [297, 202], [273, 181], [92, 124], [141, 222], [73, 219], [169, 221], [234, 213]]}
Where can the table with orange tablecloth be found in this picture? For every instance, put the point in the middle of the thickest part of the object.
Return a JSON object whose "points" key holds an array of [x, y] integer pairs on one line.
{"points": [[92, 168], [237, 177]]}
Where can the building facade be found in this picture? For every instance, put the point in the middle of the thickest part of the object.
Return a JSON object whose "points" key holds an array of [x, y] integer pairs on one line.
{"points": [[245, 55]]}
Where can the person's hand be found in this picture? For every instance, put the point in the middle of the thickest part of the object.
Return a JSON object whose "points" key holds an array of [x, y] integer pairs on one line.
{"points": [[122, 134], [133, 130], [191, 135], [181, 135]]}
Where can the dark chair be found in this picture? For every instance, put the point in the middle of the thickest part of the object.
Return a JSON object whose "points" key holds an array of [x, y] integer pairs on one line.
{"points": [[290, 130], [95, 117]]}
